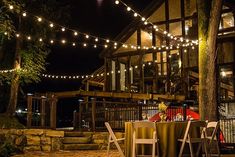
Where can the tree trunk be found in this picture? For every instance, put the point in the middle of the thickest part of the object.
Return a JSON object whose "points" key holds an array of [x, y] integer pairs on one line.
{"points": [[209, 13], [15, 78]]}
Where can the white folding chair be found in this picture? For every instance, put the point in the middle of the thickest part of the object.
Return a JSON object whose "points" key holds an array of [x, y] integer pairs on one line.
{"points": [[112, 138], [137, 140], [210, 135], [191, 140]]}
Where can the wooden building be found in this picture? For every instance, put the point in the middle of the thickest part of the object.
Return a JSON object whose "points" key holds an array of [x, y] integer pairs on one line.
{"points": [[158, 64]]}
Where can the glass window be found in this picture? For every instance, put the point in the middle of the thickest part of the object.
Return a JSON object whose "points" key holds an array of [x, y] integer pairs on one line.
{"points": [[227, 20], [164, 58], [190, 7], [176, 28], [158, 15], [174, 9], [226, 82]]}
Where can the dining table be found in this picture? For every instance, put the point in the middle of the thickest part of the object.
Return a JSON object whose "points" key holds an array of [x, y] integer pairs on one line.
{"points": [[167, 132]]}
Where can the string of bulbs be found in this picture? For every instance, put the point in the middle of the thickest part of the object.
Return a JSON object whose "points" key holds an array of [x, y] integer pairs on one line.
{"points": [[96, 39], [147, 22], [96, 45]]}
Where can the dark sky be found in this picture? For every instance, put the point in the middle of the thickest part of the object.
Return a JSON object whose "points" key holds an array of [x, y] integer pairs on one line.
{"points": [[102, 18]]}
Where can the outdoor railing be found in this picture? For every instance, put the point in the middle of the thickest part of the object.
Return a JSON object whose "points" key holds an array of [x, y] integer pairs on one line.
{"points": [[227, 127], [93, 114]]}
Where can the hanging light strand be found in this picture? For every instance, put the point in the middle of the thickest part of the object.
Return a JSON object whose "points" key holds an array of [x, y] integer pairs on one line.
{"points": [[156, 28]]}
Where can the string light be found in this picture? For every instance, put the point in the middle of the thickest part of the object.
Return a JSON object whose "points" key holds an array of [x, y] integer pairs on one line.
{"points": [[146, 22], [75, 32], [8, 70]]}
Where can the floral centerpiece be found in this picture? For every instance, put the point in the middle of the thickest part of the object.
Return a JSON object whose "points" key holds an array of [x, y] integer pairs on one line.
{"points": [[162, 107]]}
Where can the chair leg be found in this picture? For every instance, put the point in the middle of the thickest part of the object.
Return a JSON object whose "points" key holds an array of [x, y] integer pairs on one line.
{"points": [[158, 154], [153, 150], [108, 146], [133, 149], [206, 147], [217, 146], [198, 149], [191, 149], [181, 149]]}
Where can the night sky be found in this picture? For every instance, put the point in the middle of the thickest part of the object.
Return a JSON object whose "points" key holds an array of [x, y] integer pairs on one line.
{"points": [[102, 18]]}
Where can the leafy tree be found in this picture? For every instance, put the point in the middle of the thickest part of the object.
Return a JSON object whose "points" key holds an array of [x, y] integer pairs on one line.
{"points": [[27, 57]]}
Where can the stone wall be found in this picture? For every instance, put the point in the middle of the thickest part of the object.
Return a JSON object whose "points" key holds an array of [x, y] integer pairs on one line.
{"points": [[34, 139]]}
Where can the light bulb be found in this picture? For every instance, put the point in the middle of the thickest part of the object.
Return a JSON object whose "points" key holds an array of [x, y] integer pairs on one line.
{"points": [[96, 39], [74, 44], [116, 2], [145, 22], [11, 7], [84, 44], [107, 40], [51, 41], [87, 36], [135, 14], [40, 39], [105, 46], [63, 29], [143, 19], [51, 25], [115, 44], [24, 14], [128, 9], [17, 35], [29, 38], [39, 19], [75, 33], [63, 41], [95, 46], [5, 33]]}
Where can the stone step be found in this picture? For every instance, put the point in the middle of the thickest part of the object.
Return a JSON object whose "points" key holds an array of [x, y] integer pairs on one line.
{"points": [[77, 140], [81, 146], [77, 134]]}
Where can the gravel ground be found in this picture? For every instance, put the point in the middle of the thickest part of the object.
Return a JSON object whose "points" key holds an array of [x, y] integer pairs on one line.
{"points": [[90, 153]]}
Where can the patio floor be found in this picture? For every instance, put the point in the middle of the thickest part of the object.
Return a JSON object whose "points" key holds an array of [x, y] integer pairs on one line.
{"points": [[92, 153]]}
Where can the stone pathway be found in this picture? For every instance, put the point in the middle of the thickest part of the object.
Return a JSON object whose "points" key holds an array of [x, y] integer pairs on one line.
{"points": [[90, 153]]}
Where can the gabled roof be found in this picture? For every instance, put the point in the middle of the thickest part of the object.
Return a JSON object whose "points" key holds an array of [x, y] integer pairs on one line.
{"points": [[132, 27]]}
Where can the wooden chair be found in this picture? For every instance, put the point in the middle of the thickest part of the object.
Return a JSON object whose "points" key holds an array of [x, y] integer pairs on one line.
{"points": [[112, 138], [191, 140], [210, 135], [153, 140]]}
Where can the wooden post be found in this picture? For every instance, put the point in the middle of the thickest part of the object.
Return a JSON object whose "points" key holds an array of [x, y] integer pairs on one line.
{"points": [[43, 112], [117, 75], [53, 112], [93, 113], [154, 63], [29, 110], [141, 72], [80, 116]]}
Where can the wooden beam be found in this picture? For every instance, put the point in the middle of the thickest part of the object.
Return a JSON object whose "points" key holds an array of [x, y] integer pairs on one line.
{"points": [[93, 113], [138, 96]]}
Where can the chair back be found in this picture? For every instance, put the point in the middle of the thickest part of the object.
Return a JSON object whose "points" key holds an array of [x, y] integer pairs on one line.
{"points": [[191, 125], [144, 124], [110, 131], [211, 130]]}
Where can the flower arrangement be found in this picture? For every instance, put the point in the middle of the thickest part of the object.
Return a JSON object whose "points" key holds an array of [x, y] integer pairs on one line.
{"points": [[162, 107]]}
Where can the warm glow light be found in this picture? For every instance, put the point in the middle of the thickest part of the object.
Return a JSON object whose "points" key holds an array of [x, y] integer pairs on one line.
{"points": [[107, 40], [29, 38], [74, 44], [51, 41], [24, 14], [116, 2], [63, 29], [75, 33], [135, 14], [87, 36], [145, 22], [40, 39], [128, 9], [51, 25], [39, 19], [105, 46], [84, 44], [95, 46], [63, 41], [143, 19], [17, 35], [11, 7], [5, 33], [96, 39]]}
